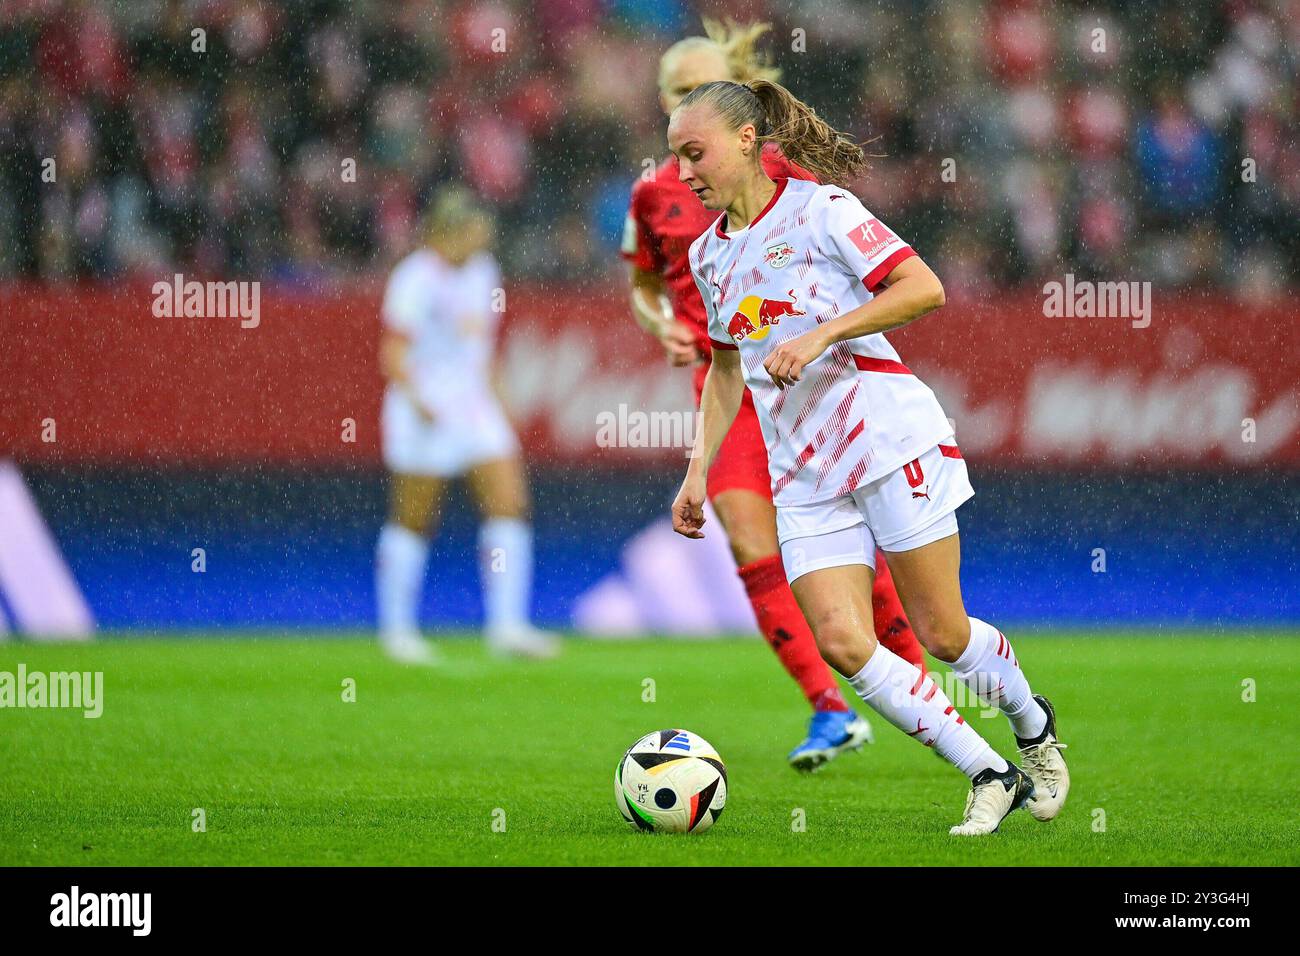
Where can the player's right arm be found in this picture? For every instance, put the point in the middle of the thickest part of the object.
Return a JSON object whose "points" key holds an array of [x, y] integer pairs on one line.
{"points": [[401, 312], [650, 304], [654, 313], [724, 387], [394, 350]]}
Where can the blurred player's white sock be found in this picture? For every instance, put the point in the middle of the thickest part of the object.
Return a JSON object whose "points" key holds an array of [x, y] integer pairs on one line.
{"points": [[989, 667], [915, 705], [505, 548], [399, 572]]}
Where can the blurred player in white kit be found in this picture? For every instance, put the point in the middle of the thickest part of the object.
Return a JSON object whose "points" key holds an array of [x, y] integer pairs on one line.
{"points": [[441, 419]]}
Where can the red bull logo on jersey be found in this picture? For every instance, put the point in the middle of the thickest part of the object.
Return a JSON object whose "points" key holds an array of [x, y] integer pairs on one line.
{"points": [[757, 315]]}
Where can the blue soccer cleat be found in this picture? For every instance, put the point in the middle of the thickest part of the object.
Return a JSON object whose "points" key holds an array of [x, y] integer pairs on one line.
{"points": [[830, 733]]}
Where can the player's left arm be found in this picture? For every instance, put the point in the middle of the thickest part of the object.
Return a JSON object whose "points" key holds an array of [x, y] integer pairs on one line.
{"points": [[855, 241], [911, 289], [496, 377]]}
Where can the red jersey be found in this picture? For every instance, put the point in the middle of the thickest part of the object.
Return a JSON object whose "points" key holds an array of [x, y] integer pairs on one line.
{"points": [[665, 217]]}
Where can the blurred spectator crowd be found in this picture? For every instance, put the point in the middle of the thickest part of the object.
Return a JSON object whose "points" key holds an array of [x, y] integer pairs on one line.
{"points": [[297, 141]]}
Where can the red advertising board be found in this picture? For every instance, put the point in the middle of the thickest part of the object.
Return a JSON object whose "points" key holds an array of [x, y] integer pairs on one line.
{"points": [[91, 374]]}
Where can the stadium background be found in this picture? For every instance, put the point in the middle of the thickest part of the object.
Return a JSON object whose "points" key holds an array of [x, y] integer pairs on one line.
{"points": [[1125, 164]]}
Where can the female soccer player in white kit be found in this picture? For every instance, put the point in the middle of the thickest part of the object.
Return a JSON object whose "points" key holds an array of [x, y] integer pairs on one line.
{"points": [[799, 281], [441, 419]]}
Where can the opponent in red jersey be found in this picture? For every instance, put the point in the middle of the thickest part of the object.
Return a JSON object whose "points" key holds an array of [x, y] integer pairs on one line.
{"points": [[664, 219]]}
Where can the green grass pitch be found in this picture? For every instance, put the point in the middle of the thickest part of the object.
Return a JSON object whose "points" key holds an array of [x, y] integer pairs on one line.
{"points": [[254, 730]]}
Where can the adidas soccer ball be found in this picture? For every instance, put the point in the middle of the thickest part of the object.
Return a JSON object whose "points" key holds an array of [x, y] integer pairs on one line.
{"points": [[671, 780]]}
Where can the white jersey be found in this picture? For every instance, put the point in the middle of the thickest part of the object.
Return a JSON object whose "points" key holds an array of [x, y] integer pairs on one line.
{"points": [[447, 313], [858, 413]]}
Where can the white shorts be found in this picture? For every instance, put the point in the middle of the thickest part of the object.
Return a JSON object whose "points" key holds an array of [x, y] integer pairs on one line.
{"points": [[910, 507], [477, 431]]}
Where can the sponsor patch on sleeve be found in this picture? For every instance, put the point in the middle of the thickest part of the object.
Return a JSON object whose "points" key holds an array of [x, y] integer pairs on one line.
{"points": [[872, 237]]}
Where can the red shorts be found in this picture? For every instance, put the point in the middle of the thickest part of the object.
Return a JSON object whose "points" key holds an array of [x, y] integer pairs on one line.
{"points": [[742, 457]]}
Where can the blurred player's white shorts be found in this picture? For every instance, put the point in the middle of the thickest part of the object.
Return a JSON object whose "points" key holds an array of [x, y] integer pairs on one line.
{"points": [[910, 507], [474, 431]]}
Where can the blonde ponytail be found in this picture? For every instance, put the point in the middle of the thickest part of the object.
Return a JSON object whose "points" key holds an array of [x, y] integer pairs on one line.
{"points": [[805, 138], [782, 118], [739, 45]]}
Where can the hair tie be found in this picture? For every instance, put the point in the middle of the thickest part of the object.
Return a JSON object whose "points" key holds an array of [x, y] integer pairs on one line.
{"points": [[766, 128]]}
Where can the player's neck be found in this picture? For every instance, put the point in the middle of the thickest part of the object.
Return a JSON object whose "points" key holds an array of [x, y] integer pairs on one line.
{"points": [[453, 257], [751, 201]]}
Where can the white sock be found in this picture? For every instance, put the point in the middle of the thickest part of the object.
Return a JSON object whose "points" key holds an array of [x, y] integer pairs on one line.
{"points": [[505, 548], [915, 705], [989, 667], [399, 574]]}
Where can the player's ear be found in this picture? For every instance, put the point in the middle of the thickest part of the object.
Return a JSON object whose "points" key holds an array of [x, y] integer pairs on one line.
{"points": [[748, 137]]}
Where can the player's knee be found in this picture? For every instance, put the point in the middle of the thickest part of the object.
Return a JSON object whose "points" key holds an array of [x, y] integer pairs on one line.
{"points": [[509, 500], [842, 640], [518, 510], [751, 536], [748, 546], [523, 507], [943, 636], [413, 524], [412, 519]]}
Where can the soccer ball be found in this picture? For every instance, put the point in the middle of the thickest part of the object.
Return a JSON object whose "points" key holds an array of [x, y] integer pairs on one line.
{"points": [[671, 780]]}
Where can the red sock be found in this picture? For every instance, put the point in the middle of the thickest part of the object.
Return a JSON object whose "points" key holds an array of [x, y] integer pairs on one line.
{"points": [[892, 628], [782, 623]]}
